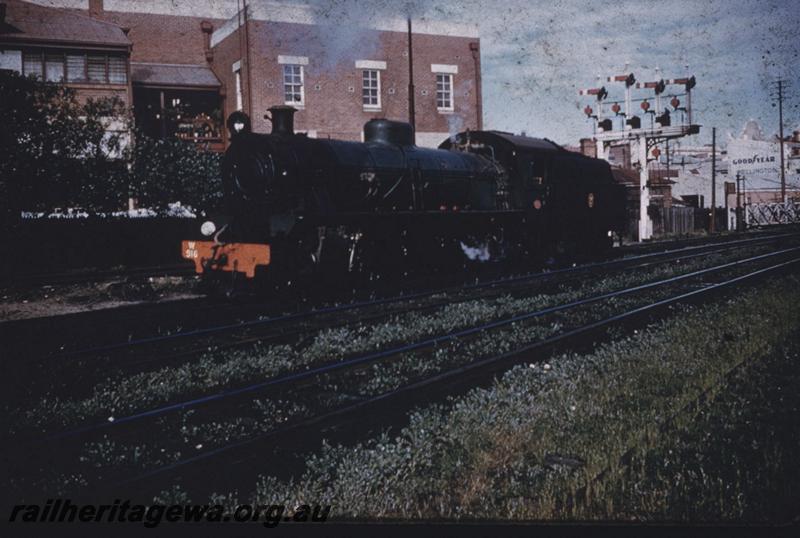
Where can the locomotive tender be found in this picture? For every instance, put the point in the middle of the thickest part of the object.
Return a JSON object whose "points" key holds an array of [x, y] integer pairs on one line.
{"points": [[298, 206]]}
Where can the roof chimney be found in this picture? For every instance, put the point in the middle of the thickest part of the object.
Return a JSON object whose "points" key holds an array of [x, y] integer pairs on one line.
{"points": [[96, 8]]}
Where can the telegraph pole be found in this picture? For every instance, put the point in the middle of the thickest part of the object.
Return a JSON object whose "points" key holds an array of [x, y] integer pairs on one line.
{"points": [[411, 112], [780, 131], [739, 226], [713, 178], [247, 60]]}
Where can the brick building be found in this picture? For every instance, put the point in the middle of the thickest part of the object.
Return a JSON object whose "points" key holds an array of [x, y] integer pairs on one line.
{"points": [[89, 55], [193, 63]]}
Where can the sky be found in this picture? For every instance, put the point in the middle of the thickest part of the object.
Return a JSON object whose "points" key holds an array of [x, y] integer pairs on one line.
{"points": [[537, 54]]}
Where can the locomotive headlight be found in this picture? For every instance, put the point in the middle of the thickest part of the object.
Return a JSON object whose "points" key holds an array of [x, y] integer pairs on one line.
{"points": [[609, 233], [208, 228], [238, 126]]}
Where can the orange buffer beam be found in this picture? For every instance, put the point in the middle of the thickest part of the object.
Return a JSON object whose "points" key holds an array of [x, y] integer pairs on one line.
{"points": [[240, 257]]}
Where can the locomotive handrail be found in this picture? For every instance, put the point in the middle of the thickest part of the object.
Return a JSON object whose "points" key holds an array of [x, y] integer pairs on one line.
{"points": [[217, 242]]}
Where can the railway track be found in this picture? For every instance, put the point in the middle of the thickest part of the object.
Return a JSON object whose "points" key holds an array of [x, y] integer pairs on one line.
{"points": [[415, 390], [132, 356], [89, 276], [636, 261], [356, 420], [127, 326]]}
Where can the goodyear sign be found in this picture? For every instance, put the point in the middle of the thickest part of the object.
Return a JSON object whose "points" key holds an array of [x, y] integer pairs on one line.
{"points": [[754, 158]]}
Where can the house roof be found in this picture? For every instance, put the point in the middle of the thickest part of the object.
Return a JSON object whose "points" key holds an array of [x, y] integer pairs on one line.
{"points": [[629, 176], [663, 173], [625, 175], [155, 74], [32, 23]]}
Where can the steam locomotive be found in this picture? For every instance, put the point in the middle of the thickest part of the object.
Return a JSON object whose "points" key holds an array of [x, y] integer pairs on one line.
{"points": [[303, 208]]}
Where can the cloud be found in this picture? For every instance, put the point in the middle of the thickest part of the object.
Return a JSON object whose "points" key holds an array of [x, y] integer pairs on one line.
{"points": [[536, 54]]}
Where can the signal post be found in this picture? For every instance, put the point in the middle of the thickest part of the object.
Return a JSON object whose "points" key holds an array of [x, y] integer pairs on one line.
{"points": [[641, 136]]}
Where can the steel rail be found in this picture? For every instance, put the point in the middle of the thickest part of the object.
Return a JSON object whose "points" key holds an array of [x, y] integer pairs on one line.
{"points": [[133, 362], [372, 318], [395, 299], [85, 276], [372, 357]]}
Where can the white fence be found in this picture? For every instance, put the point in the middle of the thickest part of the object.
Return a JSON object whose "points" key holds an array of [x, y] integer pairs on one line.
{"points": [[767, 214]]}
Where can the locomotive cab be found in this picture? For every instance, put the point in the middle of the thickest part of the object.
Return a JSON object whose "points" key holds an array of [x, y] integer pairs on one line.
{"points": [[571, 203]]}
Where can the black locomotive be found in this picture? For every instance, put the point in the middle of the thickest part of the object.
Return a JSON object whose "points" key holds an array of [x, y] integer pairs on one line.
{"points": [[303, 206]]}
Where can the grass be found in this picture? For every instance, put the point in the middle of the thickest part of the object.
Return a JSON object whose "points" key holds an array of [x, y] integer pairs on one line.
{"points": [[737, 460], [171, 438], [534, 444]]}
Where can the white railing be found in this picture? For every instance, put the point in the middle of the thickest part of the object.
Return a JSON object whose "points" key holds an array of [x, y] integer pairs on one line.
{"points": [[766, 214]]}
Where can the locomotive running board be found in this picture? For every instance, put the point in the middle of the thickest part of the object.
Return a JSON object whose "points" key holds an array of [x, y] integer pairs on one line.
{"points": [[239, 257]]}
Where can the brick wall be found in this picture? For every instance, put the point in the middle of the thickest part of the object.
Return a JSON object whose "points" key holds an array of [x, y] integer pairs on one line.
{"points": [[333, 102], [333, 105], [97, 91], [160, 38]]}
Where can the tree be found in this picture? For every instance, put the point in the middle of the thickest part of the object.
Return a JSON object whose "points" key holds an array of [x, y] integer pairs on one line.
{"points": [[55, 151]]}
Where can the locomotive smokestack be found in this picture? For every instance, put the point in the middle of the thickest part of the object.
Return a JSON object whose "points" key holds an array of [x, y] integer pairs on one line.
{"points": [[282, 118]]}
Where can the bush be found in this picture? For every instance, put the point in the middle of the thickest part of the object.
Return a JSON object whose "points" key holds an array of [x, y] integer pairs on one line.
{"points": [[170, 170], [56, 152]]}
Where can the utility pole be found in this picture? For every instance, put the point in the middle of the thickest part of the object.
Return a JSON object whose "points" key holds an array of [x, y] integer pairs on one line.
{"points": [[713, 178], [779, 97], [739, 226], [247, 60], [744, 201], [411, 112]]}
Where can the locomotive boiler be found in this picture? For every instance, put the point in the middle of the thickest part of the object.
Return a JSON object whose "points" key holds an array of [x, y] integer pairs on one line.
{"points": [[300, 207]]}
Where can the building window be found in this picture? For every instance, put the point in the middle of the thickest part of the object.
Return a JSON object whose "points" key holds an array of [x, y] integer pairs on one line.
{"points": [[76, 68], [54, 67], [371, 88], [32, 64], [444, 92], [117, 70], [70, 67], [293, 84], [96, 68]]}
